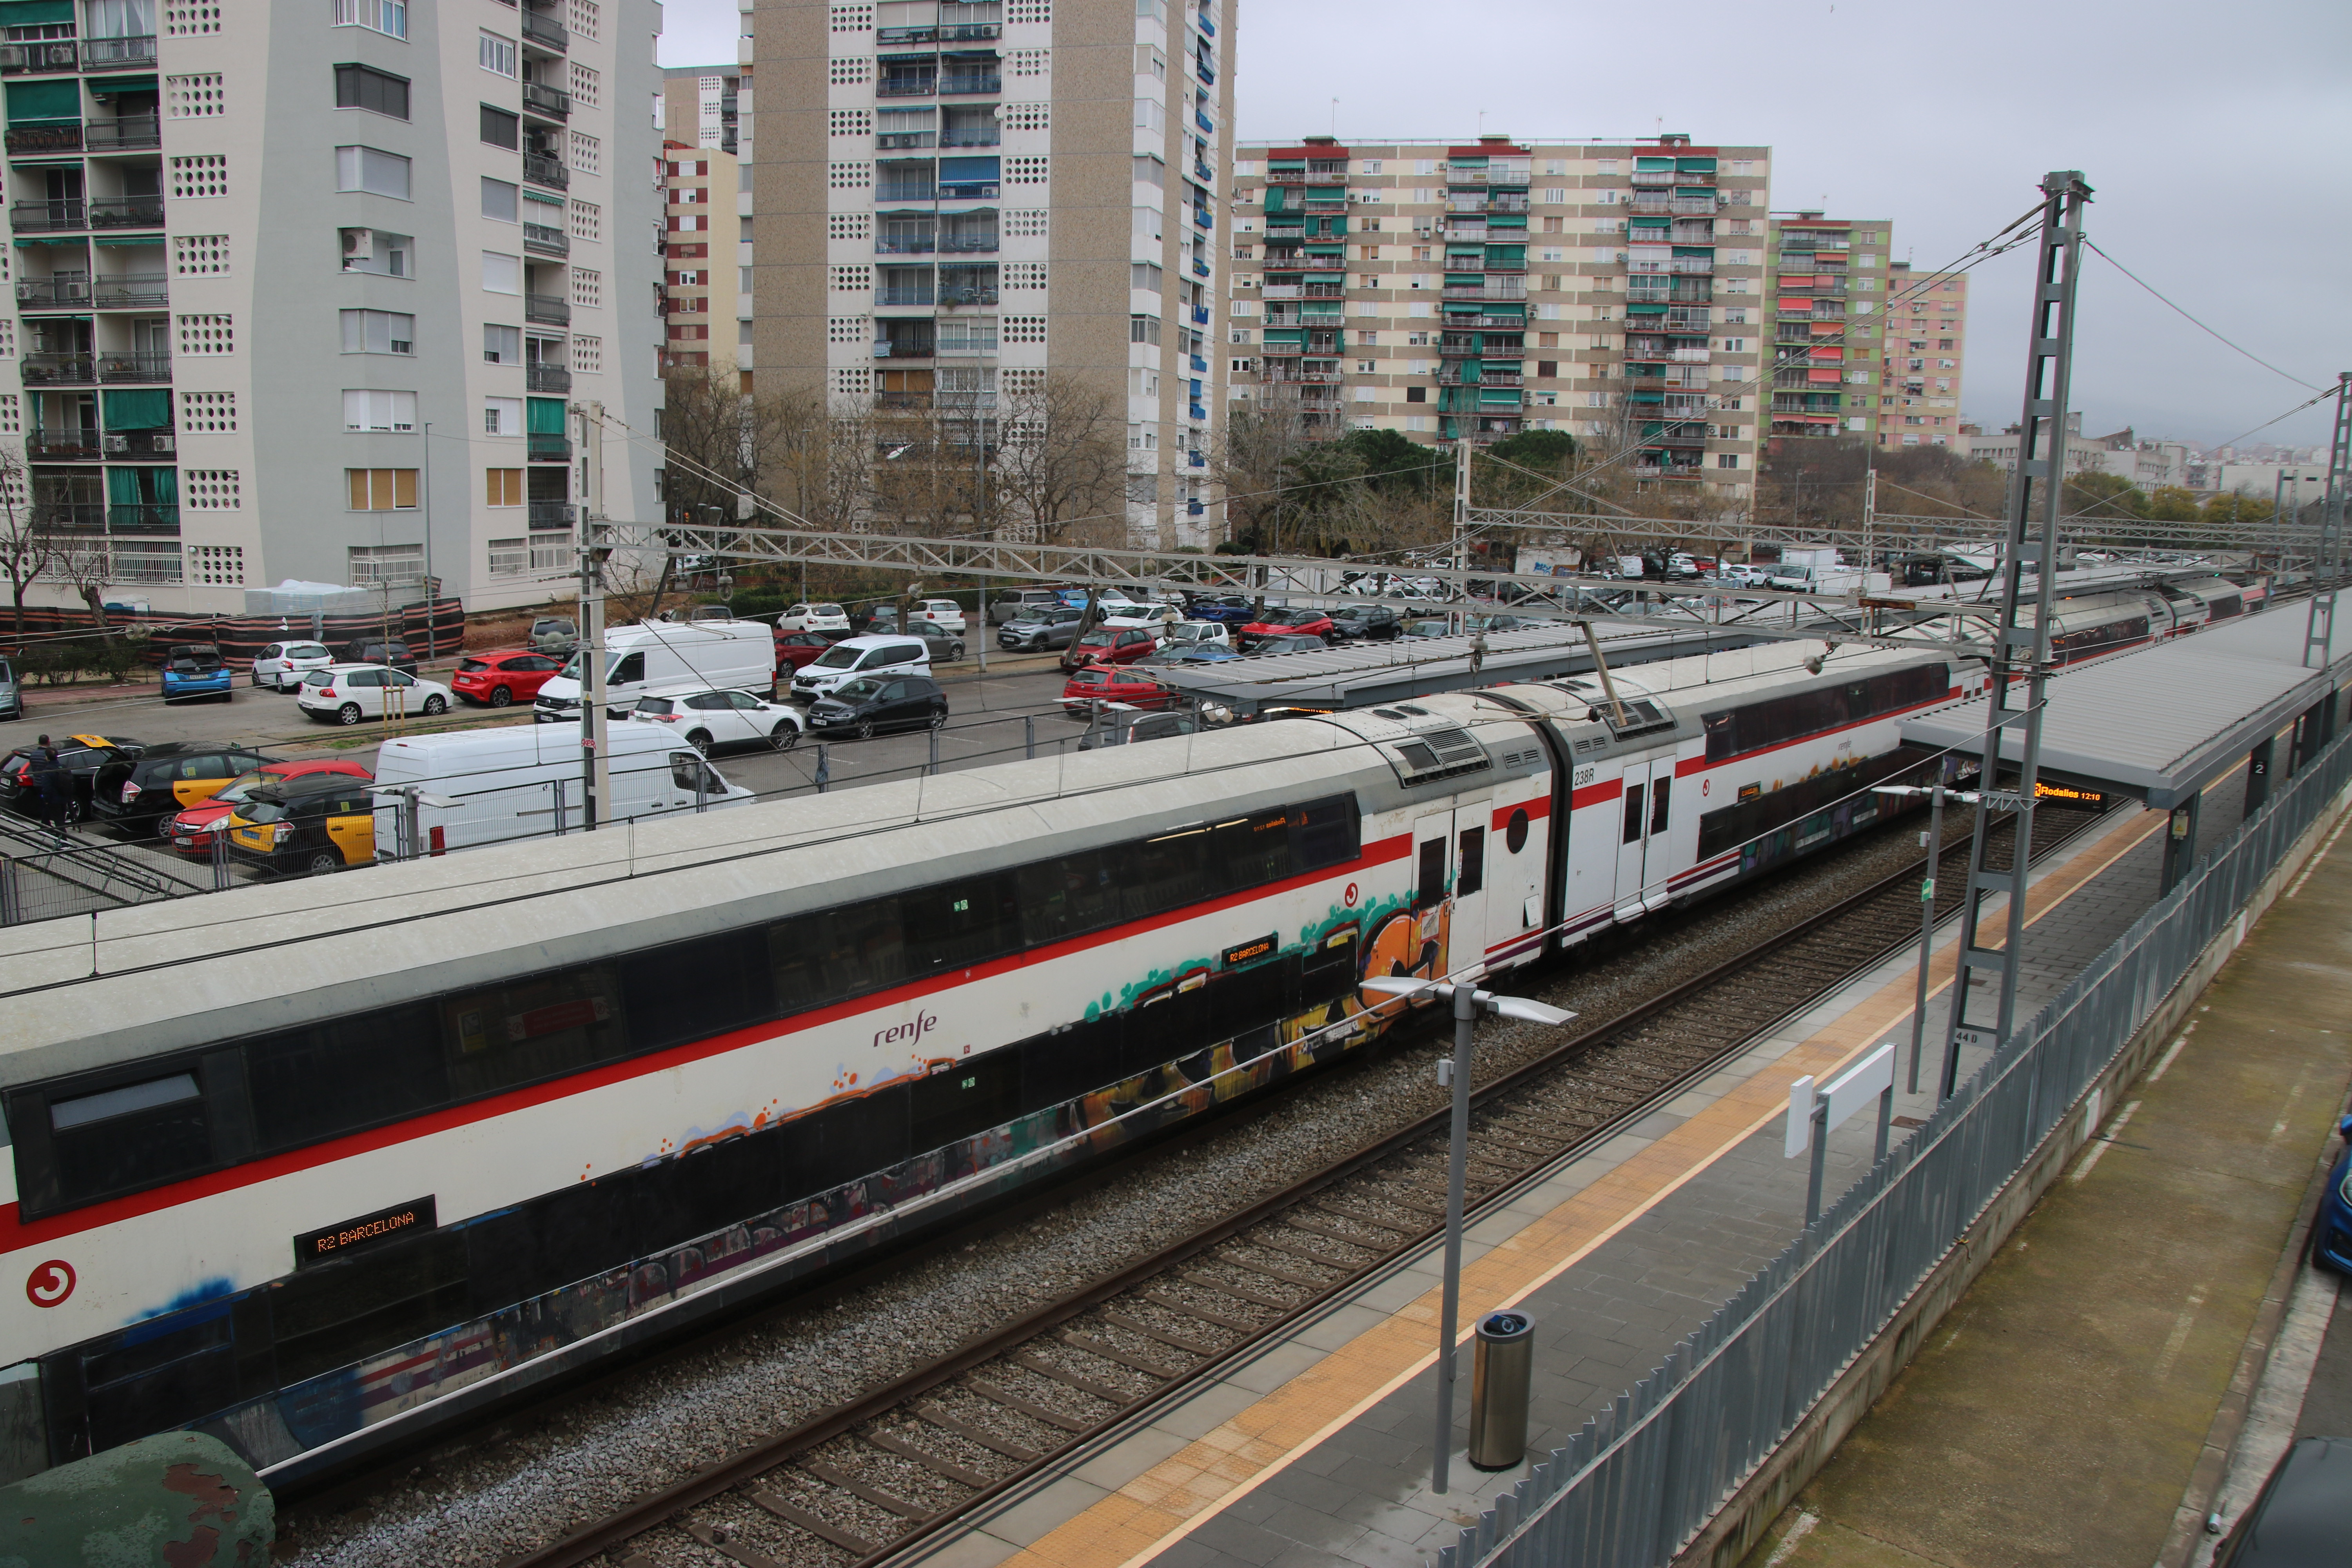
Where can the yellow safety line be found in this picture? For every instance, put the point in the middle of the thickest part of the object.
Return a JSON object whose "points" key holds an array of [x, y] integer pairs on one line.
{"points": [[1161, 1505]]}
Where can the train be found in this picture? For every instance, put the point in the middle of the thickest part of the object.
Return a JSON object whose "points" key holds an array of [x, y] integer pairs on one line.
{"points": [[318, 1168]]}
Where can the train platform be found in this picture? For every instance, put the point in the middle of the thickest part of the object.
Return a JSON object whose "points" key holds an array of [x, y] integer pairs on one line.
{"points": [[2088, 1381], [1316, 1451]]}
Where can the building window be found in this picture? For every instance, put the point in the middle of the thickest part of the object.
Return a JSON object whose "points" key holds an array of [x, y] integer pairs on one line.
{"points": [[1143, 329], [502, 200], [500, 345], [379, 332], [501, 274], [366, 169], [377, 251], [496, 55], [389, 17], [1416, 395], [1145, 276], [380, 490], [502, 416], [364, 87], [379, 411], [508, 557], [500, 129], [199, 175], [505, 487], [1726, 459]]}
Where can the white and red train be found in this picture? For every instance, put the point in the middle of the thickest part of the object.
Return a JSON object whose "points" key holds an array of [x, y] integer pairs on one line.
{"points": [[316, 1165]]}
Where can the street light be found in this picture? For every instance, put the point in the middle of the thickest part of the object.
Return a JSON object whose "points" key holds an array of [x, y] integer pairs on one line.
{"points": [[1468, 1002], [1937, 795]]}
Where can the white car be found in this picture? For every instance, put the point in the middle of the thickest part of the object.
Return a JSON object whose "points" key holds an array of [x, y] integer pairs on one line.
{"points": [[815, 618], [347, 693], [944, 614], [845, 661], [283, 665], [1198, 633], [709, 720], [1747, 576]]}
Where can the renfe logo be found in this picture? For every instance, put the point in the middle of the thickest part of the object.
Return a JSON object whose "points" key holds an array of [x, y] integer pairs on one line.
{"points": [[907, 1034]]}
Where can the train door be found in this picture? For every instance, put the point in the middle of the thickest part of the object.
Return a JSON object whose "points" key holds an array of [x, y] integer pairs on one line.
{"points": [[1643, 860], [1470, 897], [1433, 884]]}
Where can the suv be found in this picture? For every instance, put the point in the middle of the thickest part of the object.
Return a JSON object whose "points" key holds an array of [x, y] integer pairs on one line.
{"points": [[12, 693], [80, 757], [1375, 620], [319, 823], [376, 650], [553, 634], [1041, 626], [195, 670], [868, 704], [138, 795], [1108, 645], [1023, 604], [852, 657]]}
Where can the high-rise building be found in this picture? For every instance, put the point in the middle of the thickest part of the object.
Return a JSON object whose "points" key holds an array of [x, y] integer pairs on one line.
{"points": [[956, 201], [700, 290], [257, 257], [1926, 347], [1828, 294], [702, 106], [1610, 290]]}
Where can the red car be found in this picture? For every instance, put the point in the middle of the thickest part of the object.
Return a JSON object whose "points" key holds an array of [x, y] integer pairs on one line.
{"points": [[502, 676], [1279, 622], [191, 828], [1102, 683], [1110, 645], [794, 650]]}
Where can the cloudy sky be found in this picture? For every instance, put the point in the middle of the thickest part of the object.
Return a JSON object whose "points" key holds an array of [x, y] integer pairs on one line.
{"points": [[2215, 138]]}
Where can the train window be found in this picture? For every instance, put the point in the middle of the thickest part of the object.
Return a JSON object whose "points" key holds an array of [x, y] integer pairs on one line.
{"points": [[1327, 833], [966, 1097], [340, 1312], [1515, 832], [693, 990], [1659, 789], [1633, 813], [1473, 862], [1429, 886], [311, 1083], [123, 1138], [137, 1383], [532, 1029], [1250, 851], [106, 1104], [1329, 971], [1076, 893], [1778, 719]]}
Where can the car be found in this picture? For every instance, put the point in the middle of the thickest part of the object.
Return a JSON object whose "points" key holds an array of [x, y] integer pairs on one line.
{"points": [[12, 692], [2331, 1236], [709, 720], [501, 677], [1126, 729], [946, 644], [80, 757], [194, 829], [1277, 621], [1496, 624], [1746, 575], [794, 650], [1375, 622], [1196, 634], [282, 664], [815, 618], [854, 658], [196, 669], [1172, 656], [1433, 627], [393, 652], [2302, 1516], [869, 704], [347, 693], [1103, 683], [136, 794], [309, 825], [1041, 628], [944, 614], [1020, 604], [1225, 609], [553, 634], [1269, 646], [1110, 645]]}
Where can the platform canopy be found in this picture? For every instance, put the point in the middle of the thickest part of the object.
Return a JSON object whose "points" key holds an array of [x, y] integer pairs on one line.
{"points": [[2160, 723]]}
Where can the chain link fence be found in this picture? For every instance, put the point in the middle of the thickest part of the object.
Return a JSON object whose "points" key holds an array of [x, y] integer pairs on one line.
{"points": [[1638, 1482]]}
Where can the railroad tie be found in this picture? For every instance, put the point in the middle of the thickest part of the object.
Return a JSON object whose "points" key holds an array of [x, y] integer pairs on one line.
{"points": [[711, 1538], [803, 1519], [1011, 1400], [1078, 1381], [1137, 1326], [1320, 1259], [1348, 1211], [1321, 1226], [891, 1442], [939, 1417], [1206, 1316], [887, 1501], [1111, 1352]]}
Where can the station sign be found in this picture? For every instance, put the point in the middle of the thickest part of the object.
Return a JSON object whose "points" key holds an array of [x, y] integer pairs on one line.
{"points": [[2044, 790]]}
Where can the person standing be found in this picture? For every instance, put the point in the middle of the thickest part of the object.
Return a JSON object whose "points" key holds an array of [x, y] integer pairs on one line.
{"points": [[49, 782]]}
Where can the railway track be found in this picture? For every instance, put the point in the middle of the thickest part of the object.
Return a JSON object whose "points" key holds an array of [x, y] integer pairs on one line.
{"points": [[867, 1480]]}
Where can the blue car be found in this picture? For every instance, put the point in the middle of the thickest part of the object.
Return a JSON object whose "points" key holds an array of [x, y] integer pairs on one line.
{"points": [[195, 669], [2331, 1238], [1227, 609]]}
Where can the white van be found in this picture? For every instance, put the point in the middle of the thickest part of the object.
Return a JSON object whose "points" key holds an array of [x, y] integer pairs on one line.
{"points": [[846, 660], [511, 781], [658, 655]]}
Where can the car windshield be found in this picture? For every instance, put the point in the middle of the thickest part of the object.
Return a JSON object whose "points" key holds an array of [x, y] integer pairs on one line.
{"points": [[840, 656], [824, 609], [653, 705], [259, 811], [471, 666], [859, 689], [242, 785], [320, 678], [1087, 677]]}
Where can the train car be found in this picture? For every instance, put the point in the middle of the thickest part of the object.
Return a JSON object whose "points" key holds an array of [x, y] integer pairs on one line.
{"points": [[414, 1142]]}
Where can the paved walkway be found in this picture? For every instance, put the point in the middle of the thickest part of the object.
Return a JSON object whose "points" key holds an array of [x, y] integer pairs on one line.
{"points": [[1316, 1453], [2058, 1414]]}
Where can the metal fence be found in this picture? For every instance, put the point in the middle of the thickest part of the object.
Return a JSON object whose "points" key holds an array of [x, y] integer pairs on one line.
{"points": [[42, 882], [1640, 1481]]}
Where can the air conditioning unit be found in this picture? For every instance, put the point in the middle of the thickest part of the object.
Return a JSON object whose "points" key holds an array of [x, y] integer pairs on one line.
{"points": [[358, 244], [15, 58]]}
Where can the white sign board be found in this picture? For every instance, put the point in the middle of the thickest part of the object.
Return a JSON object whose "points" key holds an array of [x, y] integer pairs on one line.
{"points": [[1842, 1095]]}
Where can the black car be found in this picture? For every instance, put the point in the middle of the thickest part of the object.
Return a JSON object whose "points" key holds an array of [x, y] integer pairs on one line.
{"points": [[375, 650], [2303, 1518], [1298, 642], [871, 704], [1373, 621], [80, 756], [135, 794], [1041, 628]]}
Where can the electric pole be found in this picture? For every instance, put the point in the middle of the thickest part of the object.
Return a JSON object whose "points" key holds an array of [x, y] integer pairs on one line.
{"points": [[2319, 633]]}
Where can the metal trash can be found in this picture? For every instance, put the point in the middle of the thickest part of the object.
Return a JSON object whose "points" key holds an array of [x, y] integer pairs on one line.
{"points": [[1500, 1370]]}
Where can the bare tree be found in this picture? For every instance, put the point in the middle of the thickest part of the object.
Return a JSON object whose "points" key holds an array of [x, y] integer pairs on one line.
{"points": [[1061, 461], [24, 550], [81, 561], [1252, 463]]}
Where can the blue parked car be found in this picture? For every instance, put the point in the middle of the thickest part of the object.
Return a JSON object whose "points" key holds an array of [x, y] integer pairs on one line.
{"points": [[194, 669], [1227, 609], [2331, 1239]]}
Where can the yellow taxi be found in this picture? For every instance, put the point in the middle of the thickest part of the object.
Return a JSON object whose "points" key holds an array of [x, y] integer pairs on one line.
{"points": [[306, 826]]}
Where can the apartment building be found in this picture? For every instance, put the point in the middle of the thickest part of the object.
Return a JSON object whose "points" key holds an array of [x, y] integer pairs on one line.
{"points": [[263, 261], [955, 199], [1828, 289], [702, 106], [1926, 351], [1614, 290], [699, 296]]}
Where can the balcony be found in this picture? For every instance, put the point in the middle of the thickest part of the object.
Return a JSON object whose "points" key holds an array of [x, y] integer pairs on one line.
{"points": [[546, 310], [951, 297], [969, 244], [1459, 178], [113, 54], [904, 348], [143, 517], [68, 516], [1507, 202], [61, 446], [1286, 177], [550, 448], [47, 369], [545, 31], [133, 291], [127, 211], [1457, 348], [546, 239], [1326, 205], [553, 514], [1282, 291], [121, 369], [47, 136], [1280, 351], [1688, 322], [549, 103], [131, 134], [542, 170], [547, 378], [967, 191], [136, 444], [973, 136], [988, 82], [918, 85], [45, 54], [1200, 269], [66, 293], [1200, 315]]}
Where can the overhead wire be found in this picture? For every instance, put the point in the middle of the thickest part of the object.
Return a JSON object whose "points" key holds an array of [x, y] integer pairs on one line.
{"points": [[2193, 322]]}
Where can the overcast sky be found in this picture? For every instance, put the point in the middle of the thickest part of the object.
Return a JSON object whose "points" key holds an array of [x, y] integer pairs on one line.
{"points": [[2216, 139]]}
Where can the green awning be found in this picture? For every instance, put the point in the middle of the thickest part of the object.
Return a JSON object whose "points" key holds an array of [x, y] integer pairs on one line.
{"points": [[532, 195], [34, 101], [109, 86], [128, 240], [33, 13], [146, 408], [543, 416], [1645, 310]]}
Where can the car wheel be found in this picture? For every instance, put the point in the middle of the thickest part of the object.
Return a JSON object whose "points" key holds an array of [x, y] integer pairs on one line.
{"points": [[700, 741], [866, 728], [500, 696], [785, 736], [435, 706], [939, 718], [348, 713], [321, 862]]}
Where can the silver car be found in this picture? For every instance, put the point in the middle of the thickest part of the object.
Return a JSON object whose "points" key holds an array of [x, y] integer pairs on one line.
{"points": [[282, 664], [12, 694], [1043, 627]]}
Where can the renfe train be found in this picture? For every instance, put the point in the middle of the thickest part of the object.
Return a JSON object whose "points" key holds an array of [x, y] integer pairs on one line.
{"points": [[310, 1166]]}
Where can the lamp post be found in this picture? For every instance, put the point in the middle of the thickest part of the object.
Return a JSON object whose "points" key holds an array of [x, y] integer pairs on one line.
{"points": [[1468, 1002], [1937, 795]]}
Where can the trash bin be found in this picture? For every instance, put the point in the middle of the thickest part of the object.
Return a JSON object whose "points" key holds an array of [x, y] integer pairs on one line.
{"points": [[1499, 1373]]}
